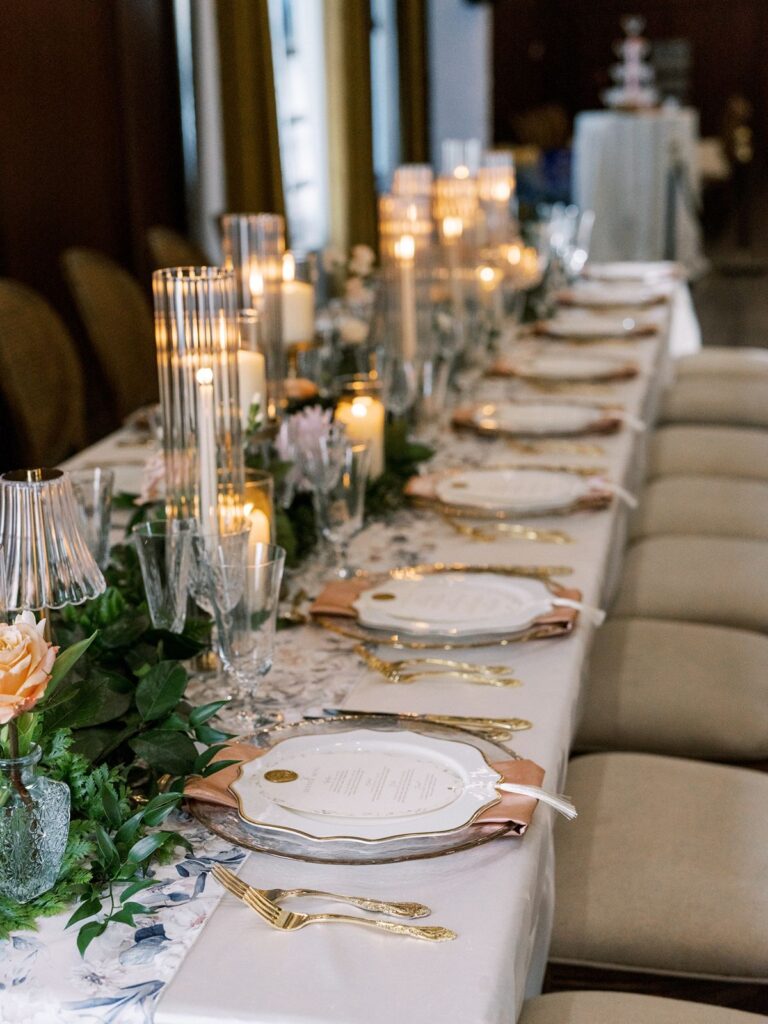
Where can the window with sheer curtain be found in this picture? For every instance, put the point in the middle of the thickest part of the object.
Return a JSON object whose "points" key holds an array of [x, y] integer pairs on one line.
{"points": [[298, 54]]}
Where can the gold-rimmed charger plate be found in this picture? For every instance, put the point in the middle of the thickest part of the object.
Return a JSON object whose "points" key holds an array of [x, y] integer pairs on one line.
{"points": [[226, 822]]}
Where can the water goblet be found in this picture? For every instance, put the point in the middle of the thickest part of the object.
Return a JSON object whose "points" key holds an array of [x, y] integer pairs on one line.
{"points": [[93, 495], [245, 596], [164, 549]]}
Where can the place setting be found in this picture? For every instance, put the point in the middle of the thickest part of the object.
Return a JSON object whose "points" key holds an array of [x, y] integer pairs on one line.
{"points": [[536, 418], [554, 368], [582, 327]]}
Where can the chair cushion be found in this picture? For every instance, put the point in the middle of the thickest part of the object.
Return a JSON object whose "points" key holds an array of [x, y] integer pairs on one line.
{"points": [[723, 360], [677, 688], [625, 1008], [719, 580], [732, 401], [664, 870], [703, 506], [709, 451]]}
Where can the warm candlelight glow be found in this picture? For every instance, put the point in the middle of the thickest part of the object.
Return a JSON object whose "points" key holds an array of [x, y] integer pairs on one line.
{"points": [[514, 254], [462, 171], [205, 375], [256, 282], [453, 228], [487, 276], [363, 416], [501, 191], [405, 248], [289, 266]]}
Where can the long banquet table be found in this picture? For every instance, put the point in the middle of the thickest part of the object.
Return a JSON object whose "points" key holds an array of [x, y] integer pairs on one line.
{"points": [[210, 963]]}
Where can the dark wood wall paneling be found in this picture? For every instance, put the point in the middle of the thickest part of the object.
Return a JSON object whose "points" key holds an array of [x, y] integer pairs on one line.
{"points": [[558, 51], [90, 146]]}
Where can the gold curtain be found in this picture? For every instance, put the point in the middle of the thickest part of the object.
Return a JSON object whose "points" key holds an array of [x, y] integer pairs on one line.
{"points": [[350, 122], [413, 81], [249, 108]]}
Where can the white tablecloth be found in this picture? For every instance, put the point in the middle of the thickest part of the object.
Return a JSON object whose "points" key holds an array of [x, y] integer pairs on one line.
{"points": [[498, 897], [622, 169]]}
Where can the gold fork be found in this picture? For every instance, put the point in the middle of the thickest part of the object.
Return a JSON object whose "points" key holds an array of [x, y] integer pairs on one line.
{"points": [[289, 921], [389, 907], [494, 531], [390, 671], [466, 666]]}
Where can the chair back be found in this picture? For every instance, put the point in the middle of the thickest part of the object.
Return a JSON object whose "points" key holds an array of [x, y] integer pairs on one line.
{"points": [[41, 380], [118, 321], [170, 249]]}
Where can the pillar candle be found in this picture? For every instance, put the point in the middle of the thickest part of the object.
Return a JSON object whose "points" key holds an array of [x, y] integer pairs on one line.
{"points": [[298, 305], [405, 249], [253, 384], [363, 417]]}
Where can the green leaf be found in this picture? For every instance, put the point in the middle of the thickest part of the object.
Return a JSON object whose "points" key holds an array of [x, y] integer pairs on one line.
{"points": [[211, 769], [66, 661], [111, 806], [159, 807], [200, 715], [87, 908], [207, 734], [160, 690], [109, 855], [146, 846], [88, 933], [165, 750], [134, 887]]}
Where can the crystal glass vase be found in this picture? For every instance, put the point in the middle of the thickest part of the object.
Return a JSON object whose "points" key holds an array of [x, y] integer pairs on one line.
{"points": [[34, 825]]}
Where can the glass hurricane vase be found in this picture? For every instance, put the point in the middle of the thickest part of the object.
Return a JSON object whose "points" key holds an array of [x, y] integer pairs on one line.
{"points": [[34, 825]]}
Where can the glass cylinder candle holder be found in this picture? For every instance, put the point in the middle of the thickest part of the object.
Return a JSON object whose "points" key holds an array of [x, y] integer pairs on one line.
{"points": [[460, 158], [197, 357], [361, 410], [253, 245], [259, 505], [413, 180], [405, 229], [496, 190]]}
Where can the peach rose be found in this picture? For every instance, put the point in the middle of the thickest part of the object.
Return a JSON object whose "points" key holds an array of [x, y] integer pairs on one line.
{"points": [[26, 663]]}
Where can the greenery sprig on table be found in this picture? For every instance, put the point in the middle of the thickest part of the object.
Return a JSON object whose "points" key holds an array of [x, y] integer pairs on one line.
{"points": [[115, 730], [120, 732]]}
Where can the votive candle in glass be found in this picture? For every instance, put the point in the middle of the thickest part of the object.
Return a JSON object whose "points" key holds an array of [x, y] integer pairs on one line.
{"points": [[361, 411]]}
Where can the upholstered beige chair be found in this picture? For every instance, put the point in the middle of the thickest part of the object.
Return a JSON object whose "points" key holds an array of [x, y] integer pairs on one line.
{"points": [[719, 580], [677, 688], [702, 506], [735, 400], [41, 380], [709, 451], [118, 320], [626, 1008], [723, 360], [168, 248], [664, 869]]}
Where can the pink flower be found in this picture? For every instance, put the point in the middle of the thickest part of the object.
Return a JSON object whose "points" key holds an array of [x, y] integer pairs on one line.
{"points": [[26, 663]]}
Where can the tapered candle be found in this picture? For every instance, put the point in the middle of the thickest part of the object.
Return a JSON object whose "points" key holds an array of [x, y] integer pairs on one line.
{"points": [[206, 451], [405, 248]]}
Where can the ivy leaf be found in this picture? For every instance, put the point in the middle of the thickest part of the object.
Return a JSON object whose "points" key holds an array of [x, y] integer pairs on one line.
{"points": [[87, 908], [88, 933], [66, 661], [165, 750], [160, 690]]}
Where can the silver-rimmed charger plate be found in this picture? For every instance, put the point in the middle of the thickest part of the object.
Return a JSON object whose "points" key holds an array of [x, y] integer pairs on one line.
{"points": [[227, 823]]}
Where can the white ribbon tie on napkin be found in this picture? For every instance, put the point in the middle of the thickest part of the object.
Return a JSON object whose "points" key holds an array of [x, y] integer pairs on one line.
{"points": [[560, 803]]}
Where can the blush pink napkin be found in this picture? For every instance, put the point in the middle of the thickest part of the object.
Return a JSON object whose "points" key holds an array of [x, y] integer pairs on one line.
{"points": [[510, 808]]}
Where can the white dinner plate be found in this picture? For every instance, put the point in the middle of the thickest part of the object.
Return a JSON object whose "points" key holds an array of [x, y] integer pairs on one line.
{"points": [[568, 367], [577, 324], [456, 604], [366, 786], [536, 417], [658, 270], [630, 293], [512, 490]]}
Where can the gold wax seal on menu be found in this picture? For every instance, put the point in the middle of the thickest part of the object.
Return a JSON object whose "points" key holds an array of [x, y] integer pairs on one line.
{"points": [[383, 597], [281, 775]]}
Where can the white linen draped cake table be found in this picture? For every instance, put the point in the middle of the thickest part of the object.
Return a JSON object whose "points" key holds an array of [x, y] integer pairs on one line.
{"points": [[623, 169], [497, 897]]}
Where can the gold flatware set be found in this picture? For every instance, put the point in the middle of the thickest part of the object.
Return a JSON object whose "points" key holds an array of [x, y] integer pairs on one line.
{"points": [[496, 530], [410, 669], [498, 729], [270, 911]]}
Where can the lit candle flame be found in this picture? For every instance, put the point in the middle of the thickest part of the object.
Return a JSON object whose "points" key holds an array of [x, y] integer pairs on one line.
{"points": [[462, 171], [453, 227], [256, 283], [405, 248], [204, 375], [289, 266]]}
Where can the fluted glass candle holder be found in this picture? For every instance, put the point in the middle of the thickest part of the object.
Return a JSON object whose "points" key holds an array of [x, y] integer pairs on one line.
{"points": [[496, 190], [254, 244], [413, 180], [460, 158], [47, 561], [197, 344]]}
